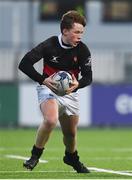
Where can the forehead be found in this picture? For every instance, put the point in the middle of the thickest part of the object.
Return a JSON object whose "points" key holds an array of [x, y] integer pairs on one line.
{"points": [[77, 26]]}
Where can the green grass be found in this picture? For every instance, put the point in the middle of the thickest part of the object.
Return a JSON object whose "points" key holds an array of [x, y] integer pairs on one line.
{"points": [[100, 148]]}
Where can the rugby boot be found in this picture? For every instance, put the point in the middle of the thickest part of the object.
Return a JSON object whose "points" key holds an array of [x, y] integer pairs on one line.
{"points": [[72, 159], [33, 161]]}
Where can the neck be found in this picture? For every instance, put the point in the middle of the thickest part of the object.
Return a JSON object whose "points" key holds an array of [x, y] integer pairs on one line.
{"points": [[64, 41], [64, 44]]}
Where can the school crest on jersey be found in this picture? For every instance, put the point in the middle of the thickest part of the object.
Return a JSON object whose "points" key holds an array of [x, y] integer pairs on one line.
{"points": [[75, 59]]}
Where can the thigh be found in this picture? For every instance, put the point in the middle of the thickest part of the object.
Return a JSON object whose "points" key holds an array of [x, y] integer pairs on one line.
{"points": [[69, 123], [49, 109]]}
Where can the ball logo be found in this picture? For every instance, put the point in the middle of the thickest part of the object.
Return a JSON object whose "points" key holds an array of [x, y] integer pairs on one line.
{"points": [[123, 104]]}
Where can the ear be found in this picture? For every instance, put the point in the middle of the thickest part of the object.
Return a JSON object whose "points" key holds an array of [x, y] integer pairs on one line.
{"points": [[65, 31]]}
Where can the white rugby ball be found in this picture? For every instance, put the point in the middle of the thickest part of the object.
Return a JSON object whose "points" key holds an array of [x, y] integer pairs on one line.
{"points": [[63, 80]]}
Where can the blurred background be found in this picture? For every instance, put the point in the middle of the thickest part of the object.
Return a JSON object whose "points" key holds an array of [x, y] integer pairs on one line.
{"points": [[108, 34]]}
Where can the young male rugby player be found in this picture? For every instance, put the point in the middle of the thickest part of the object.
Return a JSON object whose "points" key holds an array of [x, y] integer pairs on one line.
{"points": [[64, 52]]}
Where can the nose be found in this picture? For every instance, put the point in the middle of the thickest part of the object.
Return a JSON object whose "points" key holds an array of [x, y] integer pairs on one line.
{"points": [[79, 38]]}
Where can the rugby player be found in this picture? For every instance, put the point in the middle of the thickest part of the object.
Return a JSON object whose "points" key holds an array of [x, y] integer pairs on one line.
{"points": [[68, 53]]}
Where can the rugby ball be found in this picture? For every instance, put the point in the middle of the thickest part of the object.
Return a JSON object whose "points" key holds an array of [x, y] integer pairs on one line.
{"points": [[63, 80]]}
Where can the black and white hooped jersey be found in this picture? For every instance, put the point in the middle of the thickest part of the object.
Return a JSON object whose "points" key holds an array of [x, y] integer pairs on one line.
{"points": [[58, 56]]}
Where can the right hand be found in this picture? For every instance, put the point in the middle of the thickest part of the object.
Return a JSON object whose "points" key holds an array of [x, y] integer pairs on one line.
{"points": [[50, 84], [74, 84]]}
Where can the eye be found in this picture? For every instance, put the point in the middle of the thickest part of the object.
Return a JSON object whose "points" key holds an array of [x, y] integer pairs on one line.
{"points": [[77, 32]]}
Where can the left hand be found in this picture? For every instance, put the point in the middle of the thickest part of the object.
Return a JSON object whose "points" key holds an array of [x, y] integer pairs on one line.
{"points": [[50, 84], [74, 84]]}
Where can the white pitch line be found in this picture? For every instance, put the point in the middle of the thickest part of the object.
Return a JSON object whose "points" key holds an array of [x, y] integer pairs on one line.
{"points": [[90, 168], [109, 171], [22, 158], [89, 158], [128, 171]]}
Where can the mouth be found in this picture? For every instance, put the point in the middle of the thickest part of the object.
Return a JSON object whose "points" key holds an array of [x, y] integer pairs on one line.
{"points": [[76, 43]]}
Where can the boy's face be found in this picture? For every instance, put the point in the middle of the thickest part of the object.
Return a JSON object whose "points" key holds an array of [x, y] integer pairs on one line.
{"points": [[73, 36]]}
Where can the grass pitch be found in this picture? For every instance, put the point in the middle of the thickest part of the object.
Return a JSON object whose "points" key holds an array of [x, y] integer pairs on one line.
{"points": [[107, 152]]}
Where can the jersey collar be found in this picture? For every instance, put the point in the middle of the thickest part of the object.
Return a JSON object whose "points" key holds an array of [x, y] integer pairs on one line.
{"points": [[61, 44]]}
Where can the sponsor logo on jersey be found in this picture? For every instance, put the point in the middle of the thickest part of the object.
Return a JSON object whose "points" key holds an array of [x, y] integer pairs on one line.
{"points": [[54, 59], [88, 62]]}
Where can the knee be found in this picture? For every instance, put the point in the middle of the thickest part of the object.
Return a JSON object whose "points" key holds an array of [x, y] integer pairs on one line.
{"points": [[50, 122]]}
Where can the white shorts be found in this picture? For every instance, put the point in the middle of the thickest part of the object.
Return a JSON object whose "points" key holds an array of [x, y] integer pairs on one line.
{"points": [[68, 104]]}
